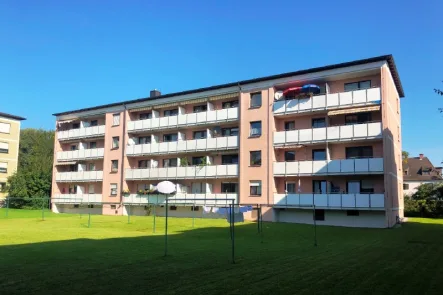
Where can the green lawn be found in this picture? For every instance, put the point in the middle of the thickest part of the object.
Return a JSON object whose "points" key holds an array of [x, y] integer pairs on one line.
{"points": [[62, 255]]}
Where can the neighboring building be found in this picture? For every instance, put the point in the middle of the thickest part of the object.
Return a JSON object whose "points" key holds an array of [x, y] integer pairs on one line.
{"points": [[9, 142], [339, 150], [419, 170]]}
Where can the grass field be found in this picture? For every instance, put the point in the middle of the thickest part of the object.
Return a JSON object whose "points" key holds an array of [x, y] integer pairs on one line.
{"points": [[61, 255]]}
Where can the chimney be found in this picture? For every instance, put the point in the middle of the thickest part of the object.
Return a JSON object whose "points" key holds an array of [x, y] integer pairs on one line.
{"points": [[421, 156], [154, 93]]}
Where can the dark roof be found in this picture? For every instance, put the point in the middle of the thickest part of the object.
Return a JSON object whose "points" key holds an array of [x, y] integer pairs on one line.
{"points": [[388, 58], [11, 116], [415, 168]]}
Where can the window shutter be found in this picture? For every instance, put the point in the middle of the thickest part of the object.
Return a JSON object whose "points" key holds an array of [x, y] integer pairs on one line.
{"points": [[4, 146], [255, 183], [3, 165]]}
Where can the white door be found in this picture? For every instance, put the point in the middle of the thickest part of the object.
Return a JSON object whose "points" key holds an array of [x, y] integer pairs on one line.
{"points": [[353, 187]]}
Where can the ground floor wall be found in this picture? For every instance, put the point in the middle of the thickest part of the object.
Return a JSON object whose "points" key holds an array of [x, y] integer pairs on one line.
{"points": [[179, 211], [73, 209], [372, 219]]}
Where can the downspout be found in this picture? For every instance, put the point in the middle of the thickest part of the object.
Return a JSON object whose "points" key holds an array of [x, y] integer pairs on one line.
{"points": [[239, 145], [269, 150], [122, 165]]}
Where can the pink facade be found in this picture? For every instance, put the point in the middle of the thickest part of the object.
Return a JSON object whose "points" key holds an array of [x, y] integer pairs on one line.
{"points": [[229, 128]]}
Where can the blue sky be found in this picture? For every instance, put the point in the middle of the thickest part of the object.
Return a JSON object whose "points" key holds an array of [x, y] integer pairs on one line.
{"points": [[61, 55]]}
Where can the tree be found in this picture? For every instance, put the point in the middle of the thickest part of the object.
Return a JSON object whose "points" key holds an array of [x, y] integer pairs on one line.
{"points": [[439, 92], [427, 201], [33, 177], [404, 156]]}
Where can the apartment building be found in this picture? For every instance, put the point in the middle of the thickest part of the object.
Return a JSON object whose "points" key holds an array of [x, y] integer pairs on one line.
{"points": [[9, 144], [333, 156]]}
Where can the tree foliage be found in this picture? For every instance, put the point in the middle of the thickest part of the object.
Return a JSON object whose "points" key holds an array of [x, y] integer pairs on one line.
{"points": [[33, 177], [427, 201], [405, 156]]}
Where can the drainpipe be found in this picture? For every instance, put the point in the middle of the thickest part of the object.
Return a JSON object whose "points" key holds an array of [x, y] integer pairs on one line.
{"points": [[239, 145], [269, 150], [122, 165]]}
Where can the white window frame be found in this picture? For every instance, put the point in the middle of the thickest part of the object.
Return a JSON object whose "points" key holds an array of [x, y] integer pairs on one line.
{"points": [[114, 187], [4, 148], [116, 119], [5, 127]]}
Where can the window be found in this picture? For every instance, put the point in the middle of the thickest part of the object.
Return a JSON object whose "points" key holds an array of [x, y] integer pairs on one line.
{"points": [[255, 158], [255, 129], [144, 116], [367, 187], [113, 207], [290, 187], [94, 123], [230, 104], [91, 206], [290, 125], [173, 208], [199, 134], [92, 145], [115, 142], [73, 168], [255, 100], [405, 172], [230, 131], [352, 213], [198, 160], [169, 113], [229, 187], [143, 164], [289, 156], [92, 167], [76, 206], [113, 189], [405, 186], [170, 137], [75, 125], [358, 118], [319, 214], [229, 159], [3, 167], [318, 123], [359, 152], [144, 139], [170, 162], [194, 208], [74, 147], [115, 119], [358, 85], [199, 109], [2, 186], [114, 165], [5, 127], [319, 155], [91, 189], [4, 147], [255, 188], [319, 186]]}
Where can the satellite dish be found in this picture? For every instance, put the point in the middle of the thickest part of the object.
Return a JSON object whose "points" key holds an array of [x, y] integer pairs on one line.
{"points": [[278, 95], [166, 187]]}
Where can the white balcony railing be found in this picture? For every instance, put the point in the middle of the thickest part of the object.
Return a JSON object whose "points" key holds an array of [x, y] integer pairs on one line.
{"points": [[93, 131], [335, 133], [184, 146], [202, 118], [331, 201], [80, 176], [331, 167], [85, 154], [188, 172], [76, 198], [183, 199], [363, 97]]}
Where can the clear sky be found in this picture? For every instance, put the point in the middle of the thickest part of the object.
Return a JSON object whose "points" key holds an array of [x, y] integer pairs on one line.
{"points": [[62, 55]]}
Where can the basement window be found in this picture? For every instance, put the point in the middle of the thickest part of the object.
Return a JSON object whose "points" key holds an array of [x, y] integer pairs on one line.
{"points": [[173, 208], [319, 215], [352, 213]]}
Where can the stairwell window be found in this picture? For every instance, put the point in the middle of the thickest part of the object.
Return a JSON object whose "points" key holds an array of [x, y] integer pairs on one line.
{"points": [[115, 142], [255, 129], [114, 165], [116, 119], [113, 189], [255, 158], [255, 100], [255, 187], [357, 85], [4, 147]]}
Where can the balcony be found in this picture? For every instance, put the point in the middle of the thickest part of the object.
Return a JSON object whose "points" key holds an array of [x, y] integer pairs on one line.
{"points": [[363, 97], [80, 176], [86, 154], [189, 172], [185, 199], [330, 134], [331, 167], [76, 198], [331, 201], [184, 146], [87, 132], [186, 120]]}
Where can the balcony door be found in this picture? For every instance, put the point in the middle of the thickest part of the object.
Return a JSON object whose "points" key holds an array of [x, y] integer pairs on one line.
{"points": [[353, 187], [198, 188], [319, 186]]}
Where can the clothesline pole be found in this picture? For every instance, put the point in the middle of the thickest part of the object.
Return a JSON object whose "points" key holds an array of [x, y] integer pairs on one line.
{"points": [[233, 233], [258, 220], [315, 229], [166, 228], [193, 215], [155, 213], [261, 224]]}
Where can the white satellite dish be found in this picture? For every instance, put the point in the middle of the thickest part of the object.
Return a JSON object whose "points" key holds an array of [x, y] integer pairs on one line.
{"points": [[278, 95], [166, 187]]}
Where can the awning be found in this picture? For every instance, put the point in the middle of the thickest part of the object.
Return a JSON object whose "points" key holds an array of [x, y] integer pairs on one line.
{"points": [[290, 146], [354, 110], [65, 163]]}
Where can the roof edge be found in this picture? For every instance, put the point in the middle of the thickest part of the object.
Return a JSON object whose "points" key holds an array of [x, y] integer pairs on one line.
{"points": [[14, 117], [388, 58]]}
